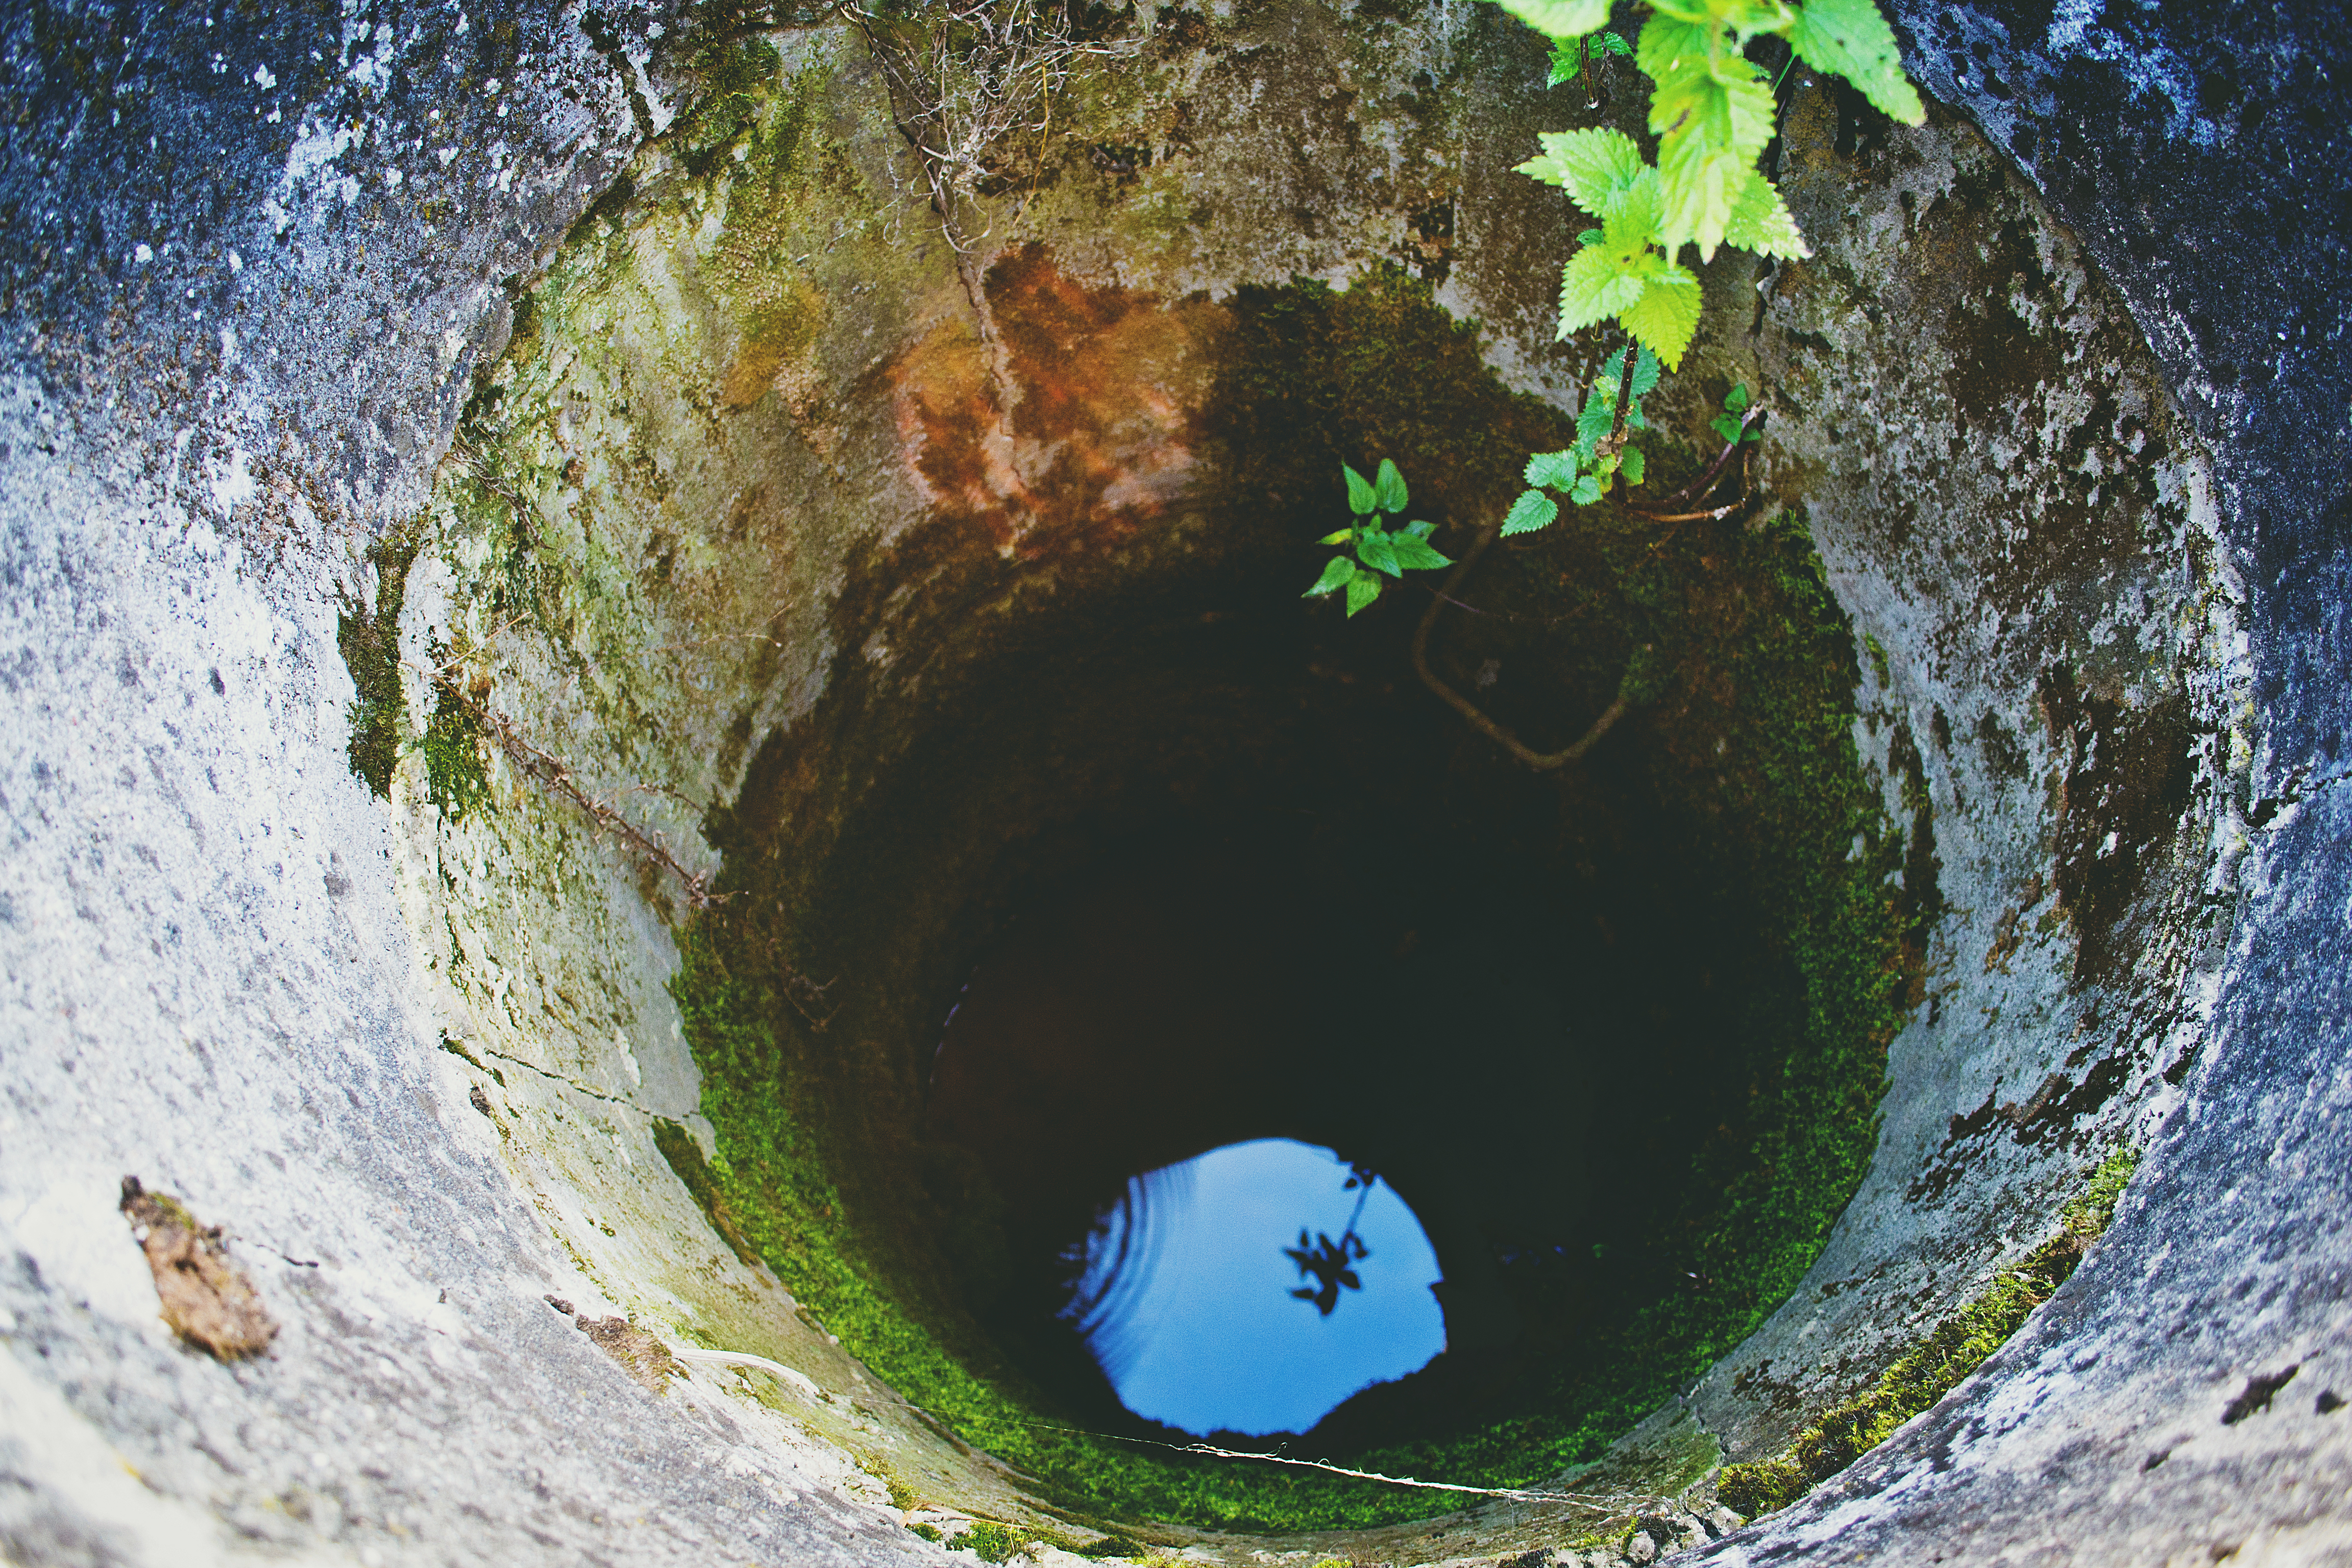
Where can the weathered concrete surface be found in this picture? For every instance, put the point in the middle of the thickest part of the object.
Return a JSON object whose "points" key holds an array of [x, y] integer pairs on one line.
{"points": [[2056, 701], [227, 972], [235, 346], [2198, 178]]}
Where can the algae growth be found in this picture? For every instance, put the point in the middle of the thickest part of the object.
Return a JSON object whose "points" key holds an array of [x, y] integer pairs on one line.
{"points": [[369, 638], [1946, 1355]]}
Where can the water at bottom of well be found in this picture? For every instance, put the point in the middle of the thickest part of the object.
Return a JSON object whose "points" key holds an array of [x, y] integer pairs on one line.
{"points": [[1197, 1325]]}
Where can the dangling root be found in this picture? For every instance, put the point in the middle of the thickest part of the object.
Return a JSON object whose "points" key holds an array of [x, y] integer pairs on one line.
{"points": [[1540, 761]]}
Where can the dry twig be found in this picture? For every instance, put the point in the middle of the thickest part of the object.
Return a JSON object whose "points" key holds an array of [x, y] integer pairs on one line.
{"points": [[555, 774], [487, 480]]}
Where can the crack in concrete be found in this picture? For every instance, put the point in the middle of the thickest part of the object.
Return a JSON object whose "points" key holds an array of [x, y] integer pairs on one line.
{"points": [[567, 1083]]}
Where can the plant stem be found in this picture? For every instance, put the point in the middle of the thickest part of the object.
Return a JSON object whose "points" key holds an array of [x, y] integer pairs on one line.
{"points": [[1624, 396], [1700, 486], [1616, 441]]}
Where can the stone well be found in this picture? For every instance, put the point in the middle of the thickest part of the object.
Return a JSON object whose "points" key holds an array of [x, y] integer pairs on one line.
{"points": [[554, 608]]}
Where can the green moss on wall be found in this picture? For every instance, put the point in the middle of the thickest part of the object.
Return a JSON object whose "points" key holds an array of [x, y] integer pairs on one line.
{"points": [[1950, 1351], [685, 1157], [736, 77], [454, 779], [369, 636]]}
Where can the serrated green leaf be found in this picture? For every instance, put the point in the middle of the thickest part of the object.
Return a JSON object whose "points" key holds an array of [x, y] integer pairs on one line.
{"points": [[1670, 45], [1420, 530], [1853, 40], [1587, 491], [1704, 165], [1335, 575], [1634, 465], [1337, 536], [1596, 167], [1630, 228], [1593, 287], [1375, 550], [1415, 553], [1388, 490], [1752, 434], [1760, 221], [1363, 589], [1596, 418], [1736, 400], [1532, 510], [1725, 425], [1714, 114], [1665, 315], [1566, 64], [1561, 18], [1744, 18], [1557, 469], [1701, 178], [1543, 169], [1589, 236], [1613, 43], [1360, 492]]}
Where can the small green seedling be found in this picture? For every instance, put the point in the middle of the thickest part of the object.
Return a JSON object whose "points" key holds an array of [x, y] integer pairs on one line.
{"points": [[1380, 547], [1583, 472], [1568, 59], [1729, 425]]}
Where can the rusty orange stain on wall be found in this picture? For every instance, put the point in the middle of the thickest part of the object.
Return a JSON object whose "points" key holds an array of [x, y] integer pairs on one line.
{"points": [[1097, 446]]}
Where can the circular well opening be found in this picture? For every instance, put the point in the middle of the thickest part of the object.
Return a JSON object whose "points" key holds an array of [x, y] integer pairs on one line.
{"points": [[1173, 863]]}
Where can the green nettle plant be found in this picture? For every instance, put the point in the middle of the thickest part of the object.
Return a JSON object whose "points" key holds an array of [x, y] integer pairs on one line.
{"points": [[1379, 548], [1612, 411], [1732, 423], [1714, 113]]}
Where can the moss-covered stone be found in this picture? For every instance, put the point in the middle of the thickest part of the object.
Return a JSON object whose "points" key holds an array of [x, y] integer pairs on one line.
{"points": [[369, 636], [455, 780], [1954, 1349]]}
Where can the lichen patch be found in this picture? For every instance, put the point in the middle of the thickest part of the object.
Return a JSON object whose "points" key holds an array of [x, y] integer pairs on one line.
{"points": [[207, 1300], [644, 1358]]}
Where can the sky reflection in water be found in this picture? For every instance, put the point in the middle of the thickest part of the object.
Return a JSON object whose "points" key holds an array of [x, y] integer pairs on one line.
{"points": [[1211, 1337]]}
